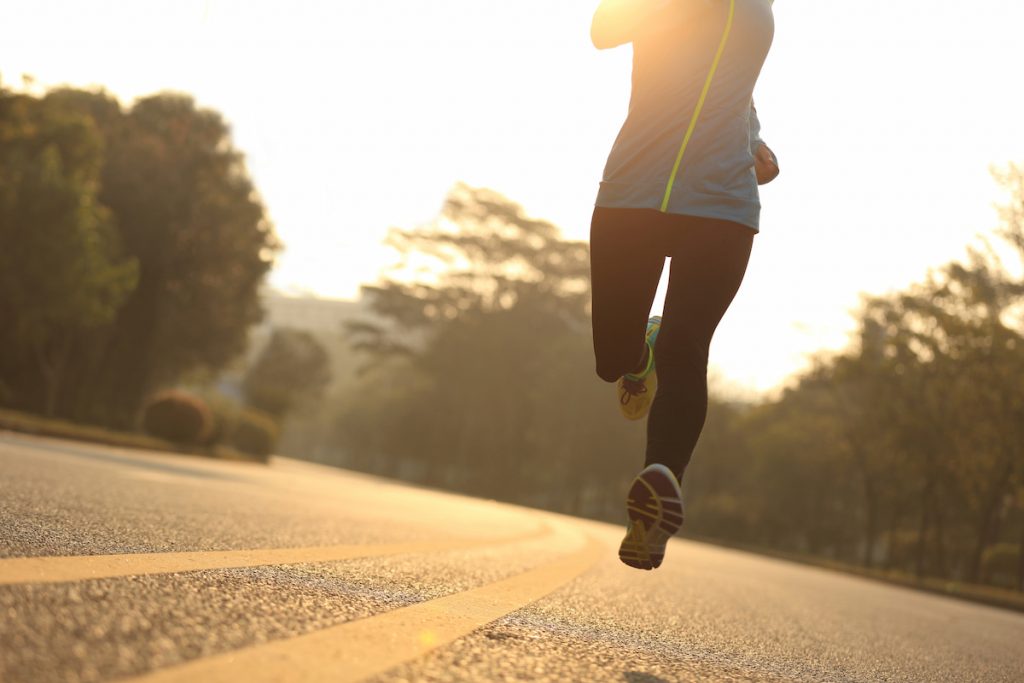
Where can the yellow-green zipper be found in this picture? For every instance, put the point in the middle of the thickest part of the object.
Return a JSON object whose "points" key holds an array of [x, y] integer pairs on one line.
{"points": [[700, 105]]}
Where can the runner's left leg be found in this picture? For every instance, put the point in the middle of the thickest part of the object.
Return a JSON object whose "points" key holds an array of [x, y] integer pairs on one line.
{"points": [[626, 260]]}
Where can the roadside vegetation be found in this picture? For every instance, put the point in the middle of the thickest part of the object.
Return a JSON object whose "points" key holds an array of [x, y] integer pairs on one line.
{"points": [[133, 246], [35, 425], [901, 456]]}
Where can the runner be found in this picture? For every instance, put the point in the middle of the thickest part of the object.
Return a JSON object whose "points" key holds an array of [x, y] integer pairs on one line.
{"points": [[681, 182]]}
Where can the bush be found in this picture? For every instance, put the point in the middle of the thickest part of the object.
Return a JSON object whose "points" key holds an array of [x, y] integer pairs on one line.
{"points": [[224, 412], [178, 417], [255, 433], [1000, 564]]}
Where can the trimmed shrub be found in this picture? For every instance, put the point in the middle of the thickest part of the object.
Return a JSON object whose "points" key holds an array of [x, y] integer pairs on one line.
{"points": [[999, 564], [255, 433], [224, 411], [177, 416]]}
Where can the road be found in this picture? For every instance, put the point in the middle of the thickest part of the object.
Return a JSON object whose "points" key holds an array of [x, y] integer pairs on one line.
{"points": [[120, 565]]}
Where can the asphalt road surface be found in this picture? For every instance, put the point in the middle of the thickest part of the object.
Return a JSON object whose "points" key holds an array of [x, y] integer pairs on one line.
{"points": [[120, 565]]}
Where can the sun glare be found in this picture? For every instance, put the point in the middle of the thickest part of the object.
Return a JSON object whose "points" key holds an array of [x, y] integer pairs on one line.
{"points": [[359, 116]]}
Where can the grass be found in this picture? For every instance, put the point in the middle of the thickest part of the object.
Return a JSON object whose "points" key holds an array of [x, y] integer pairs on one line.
{"points": [[44, 426], [988, 595]]}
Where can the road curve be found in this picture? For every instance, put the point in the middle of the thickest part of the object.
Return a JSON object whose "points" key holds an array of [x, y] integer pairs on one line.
{"points": [[122, 565]]}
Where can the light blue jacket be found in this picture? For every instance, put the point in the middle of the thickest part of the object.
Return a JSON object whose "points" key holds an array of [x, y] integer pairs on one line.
{"points": [[673, 52]]}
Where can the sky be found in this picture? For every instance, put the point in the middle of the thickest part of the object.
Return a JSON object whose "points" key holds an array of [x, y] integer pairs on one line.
{"points": [[357, 116]]}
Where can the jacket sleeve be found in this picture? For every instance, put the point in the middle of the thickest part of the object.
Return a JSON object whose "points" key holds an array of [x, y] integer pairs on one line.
{"points": [[616, 22]]}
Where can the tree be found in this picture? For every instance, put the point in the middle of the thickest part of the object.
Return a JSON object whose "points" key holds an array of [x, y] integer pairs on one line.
{"points": [[61, 270], [481, 375], [905, 448], [482, 255], [293, 367], [189, 214]]}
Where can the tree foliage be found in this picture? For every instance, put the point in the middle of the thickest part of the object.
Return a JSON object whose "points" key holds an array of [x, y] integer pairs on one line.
{"points": [[62, 272], [907, 450], [903, 452], [480, 373], [184, 233], [292, 368]]}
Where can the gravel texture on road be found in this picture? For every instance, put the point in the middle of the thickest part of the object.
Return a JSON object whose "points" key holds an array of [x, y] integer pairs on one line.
{"points": [[707, 614]]}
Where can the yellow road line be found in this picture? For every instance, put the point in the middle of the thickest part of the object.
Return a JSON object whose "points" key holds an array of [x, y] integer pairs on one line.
{"points": [[358, 649], [22, 570]]}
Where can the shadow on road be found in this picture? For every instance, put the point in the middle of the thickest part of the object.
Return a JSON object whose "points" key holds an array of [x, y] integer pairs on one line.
{"points": [[638, 677], [92, 454]]}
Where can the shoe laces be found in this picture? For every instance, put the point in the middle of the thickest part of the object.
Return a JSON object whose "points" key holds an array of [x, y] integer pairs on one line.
{"points": [[631, 388]]}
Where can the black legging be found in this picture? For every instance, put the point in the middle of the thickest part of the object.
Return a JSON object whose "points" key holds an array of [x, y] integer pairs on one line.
{"points": [[627, 253]]}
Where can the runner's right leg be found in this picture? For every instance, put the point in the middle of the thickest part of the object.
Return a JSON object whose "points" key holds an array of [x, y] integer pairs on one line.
{"points": [[709, 259]]}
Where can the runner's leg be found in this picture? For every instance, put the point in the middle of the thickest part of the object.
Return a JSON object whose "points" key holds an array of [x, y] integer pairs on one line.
{"points": [[626, 260], [709, 259]]}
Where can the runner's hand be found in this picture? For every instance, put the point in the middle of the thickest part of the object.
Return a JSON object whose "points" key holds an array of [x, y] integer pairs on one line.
{"points": [[765, 164]]}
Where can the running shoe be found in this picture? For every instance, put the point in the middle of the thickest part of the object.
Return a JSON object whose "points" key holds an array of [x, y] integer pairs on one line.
{"points": [[636, 391], [655, 510]]}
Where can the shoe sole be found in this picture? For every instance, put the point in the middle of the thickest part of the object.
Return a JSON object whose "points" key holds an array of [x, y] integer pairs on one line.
{"points": [[655, 514]]}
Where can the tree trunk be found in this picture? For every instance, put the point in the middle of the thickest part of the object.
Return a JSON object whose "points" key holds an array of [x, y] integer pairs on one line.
{"points": [[923, 527], [870, 528], [988, 526], [51, 364], [870, 505], [941, 558], [1020, 563], [890, 550]]}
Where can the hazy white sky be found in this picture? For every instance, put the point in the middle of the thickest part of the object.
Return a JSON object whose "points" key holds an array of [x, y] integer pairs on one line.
{"points": [[355, 116]]}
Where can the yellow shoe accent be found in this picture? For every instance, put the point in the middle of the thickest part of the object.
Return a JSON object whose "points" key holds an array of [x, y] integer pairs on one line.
{"points": [[635, 406], [636, 392], [633, 550]]}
